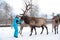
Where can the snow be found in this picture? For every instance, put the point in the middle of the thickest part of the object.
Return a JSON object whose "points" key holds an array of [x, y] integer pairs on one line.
{"points": [[6, 33]]}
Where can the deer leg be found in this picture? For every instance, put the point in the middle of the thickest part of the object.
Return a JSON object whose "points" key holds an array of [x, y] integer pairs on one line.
{"points": [[57, 29], [42, 29], [52, 28], [31, 31], [35, 30], [46, 29], [21, 28]]}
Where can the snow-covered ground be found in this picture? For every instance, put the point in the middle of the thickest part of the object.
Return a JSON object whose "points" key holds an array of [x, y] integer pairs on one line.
{"points": [[6, 33]]}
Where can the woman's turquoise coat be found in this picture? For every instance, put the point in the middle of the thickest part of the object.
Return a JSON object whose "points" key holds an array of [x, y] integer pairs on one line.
{"points": [[15, 25]]}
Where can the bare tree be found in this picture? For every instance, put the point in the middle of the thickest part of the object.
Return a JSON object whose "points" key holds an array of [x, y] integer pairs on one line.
{"points": [[34, 11], [8, 9], [5, 11]]}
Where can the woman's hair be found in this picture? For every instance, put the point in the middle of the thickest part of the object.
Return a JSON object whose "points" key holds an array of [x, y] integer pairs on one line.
{"points": [[17, 16]]}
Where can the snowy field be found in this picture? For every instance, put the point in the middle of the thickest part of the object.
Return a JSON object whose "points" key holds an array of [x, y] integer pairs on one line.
{"points": [[6, 33]]}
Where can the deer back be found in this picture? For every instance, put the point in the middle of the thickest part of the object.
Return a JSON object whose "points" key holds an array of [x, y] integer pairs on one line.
{"points": [[38, 21]]}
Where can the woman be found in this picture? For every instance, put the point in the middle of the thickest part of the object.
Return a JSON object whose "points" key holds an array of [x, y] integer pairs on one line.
{"points": [[16, 21]]}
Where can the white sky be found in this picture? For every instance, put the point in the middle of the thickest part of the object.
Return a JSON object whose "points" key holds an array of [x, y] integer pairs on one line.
{"points": [[49, 6], [46, 6]]}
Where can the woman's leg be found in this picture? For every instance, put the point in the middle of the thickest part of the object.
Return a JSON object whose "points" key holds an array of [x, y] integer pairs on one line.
{"points": [[16, 32]]}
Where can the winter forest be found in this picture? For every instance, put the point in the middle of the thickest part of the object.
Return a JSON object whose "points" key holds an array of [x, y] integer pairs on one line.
{"points": [[29, 19]]}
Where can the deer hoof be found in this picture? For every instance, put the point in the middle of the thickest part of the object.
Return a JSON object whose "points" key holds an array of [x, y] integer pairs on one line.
{"points": [[30, 35], [47, 33]]}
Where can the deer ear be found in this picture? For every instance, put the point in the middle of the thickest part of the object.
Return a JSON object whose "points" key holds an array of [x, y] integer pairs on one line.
{"points": [[20, 15]]}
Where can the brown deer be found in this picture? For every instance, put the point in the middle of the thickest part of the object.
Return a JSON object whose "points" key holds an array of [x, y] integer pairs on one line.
{"points": [[34, 22], [55, 24]]}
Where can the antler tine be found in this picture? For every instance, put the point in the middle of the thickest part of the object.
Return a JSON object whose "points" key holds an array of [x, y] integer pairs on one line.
{"points": [[27, 5], [22, 10], [21, 14], [29, 8]]}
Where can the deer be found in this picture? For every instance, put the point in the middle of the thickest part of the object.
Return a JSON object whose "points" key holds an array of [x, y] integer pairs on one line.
{"points": [[55, 24], [33, 22]]}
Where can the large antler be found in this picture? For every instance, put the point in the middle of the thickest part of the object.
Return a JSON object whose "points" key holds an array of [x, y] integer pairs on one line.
{"points": [[28, 6]]}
